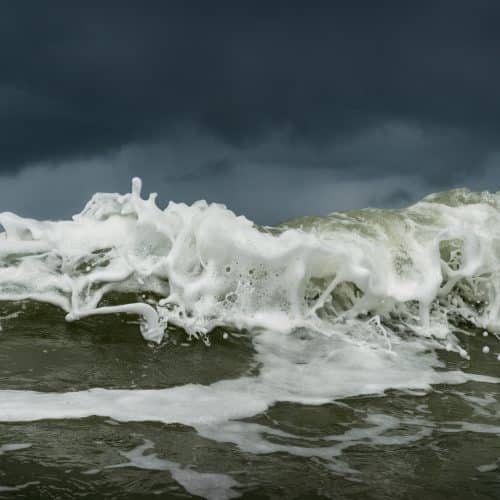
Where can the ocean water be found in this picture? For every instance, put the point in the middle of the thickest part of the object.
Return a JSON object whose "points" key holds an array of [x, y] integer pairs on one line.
{"points": [[187, 353]]}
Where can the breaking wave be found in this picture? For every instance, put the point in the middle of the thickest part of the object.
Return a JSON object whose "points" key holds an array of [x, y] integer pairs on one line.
{"points": [[422, 272]]}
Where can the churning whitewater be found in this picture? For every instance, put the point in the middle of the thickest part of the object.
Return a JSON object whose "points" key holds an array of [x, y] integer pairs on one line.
{"points": [[348, 304], [417, 272]]}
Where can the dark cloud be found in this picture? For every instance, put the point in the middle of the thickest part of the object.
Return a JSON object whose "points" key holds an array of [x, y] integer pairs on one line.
{"points": [[207, 168], [81, 78], [268, 182]]}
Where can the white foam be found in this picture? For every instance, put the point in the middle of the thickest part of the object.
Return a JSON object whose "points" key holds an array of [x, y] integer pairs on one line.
{"points": [[487, 467], [13, 447], [211, 486], [434, 260], [260, 439], [312, 371], [7, 489]]}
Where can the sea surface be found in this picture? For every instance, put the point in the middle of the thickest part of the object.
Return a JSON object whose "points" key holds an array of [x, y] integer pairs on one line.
{"points": [[184, 352]]}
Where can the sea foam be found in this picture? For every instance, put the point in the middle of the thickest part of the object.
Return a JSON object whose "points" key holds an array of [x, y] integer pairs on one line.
{"points": [[419, 271]]}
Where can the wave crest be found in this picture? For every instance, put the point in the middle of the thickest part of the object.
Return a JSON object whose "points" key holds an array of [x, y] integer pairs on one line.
{"points": [[424, 270]]}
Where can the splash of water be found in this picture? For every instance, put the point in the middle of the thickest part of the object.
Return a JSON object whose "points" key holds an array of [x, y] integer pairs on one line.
{"points": [[421, 271]]}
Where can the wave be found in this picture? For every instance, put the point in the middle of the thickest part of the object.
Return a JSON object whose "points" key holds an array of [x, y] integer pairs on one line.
{"points": [[424, 270], [420, 270]]}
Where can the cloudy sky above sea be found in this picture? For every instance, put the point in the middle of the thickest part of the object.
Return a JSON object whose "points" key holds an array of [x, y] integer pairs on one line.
{"points": [[277, 109]]}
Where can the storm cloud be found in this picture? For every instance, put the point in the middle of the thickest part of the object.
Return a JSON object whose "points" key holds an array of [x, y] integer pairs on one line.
{"points": [[265, 106]]}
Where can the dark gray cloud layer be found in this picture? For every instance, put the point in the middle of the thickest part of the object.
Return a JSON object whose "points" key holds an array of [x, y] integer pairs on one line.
{"points": [[79, 78], [358, 89]]}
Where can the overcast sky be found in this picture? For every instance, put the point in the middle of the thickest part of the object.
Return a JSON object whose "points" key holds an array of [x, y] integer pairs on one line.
{"points": [[277, 109]]}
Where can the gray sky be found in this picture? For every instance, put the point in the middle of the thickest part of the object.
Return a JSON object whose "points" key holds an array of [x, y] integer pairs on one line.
{"points": [[277, 109]]}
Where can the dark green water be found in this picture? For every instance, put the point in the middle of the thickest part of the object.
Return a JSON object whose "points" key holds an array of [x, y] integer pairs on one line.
{"points": [[441, 444]]}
